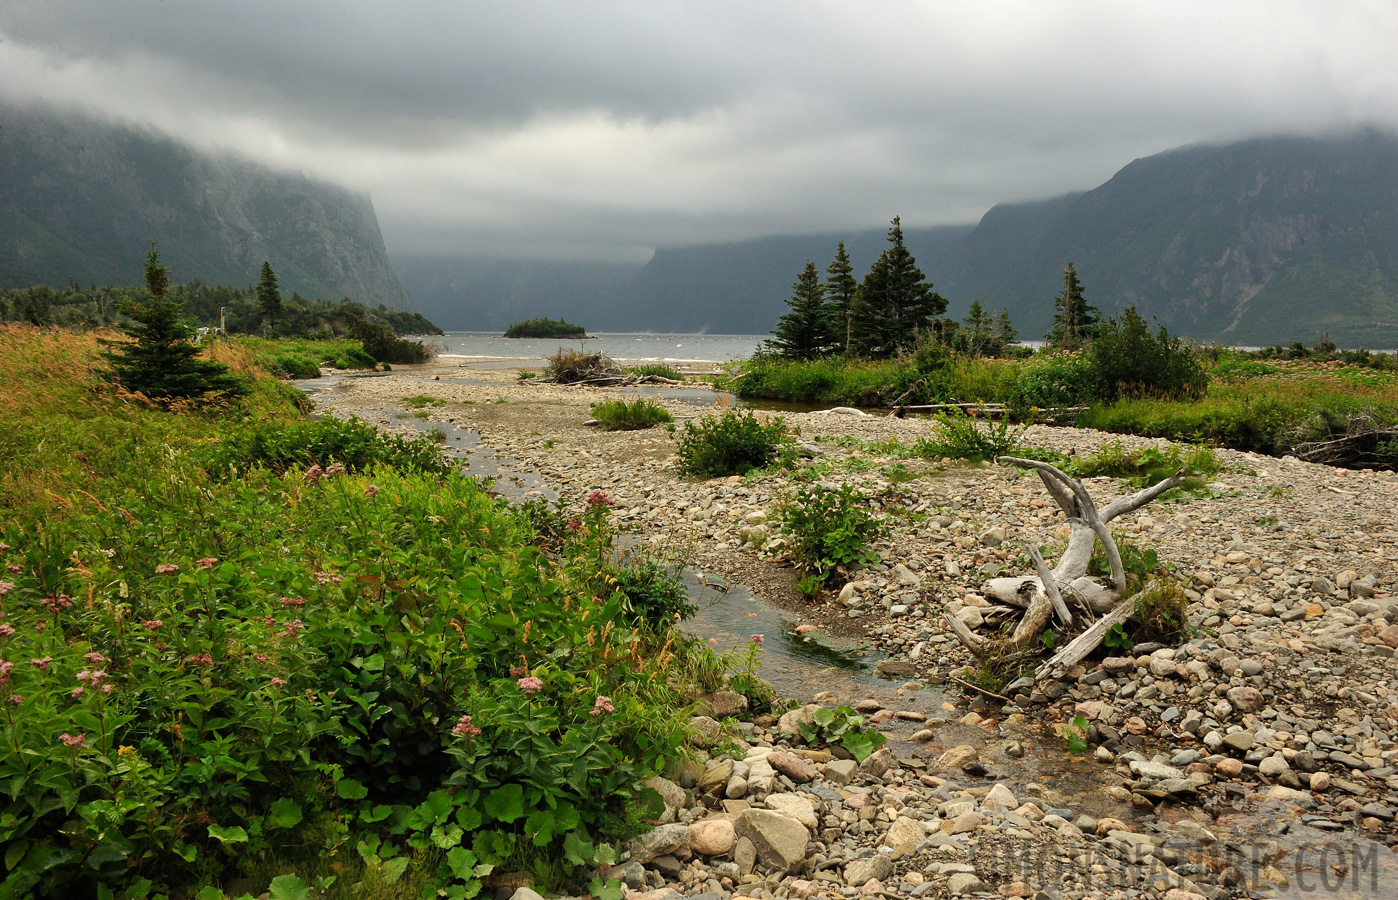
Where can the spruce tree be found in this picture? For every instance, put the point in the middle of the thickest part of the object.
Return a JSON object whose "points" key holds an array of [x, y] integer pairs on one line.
{"points": [[1074, 319], [840, 289], [269, 296], [160, 361], [809, 330], [979, 332], [1005, 333], [894, 303]]}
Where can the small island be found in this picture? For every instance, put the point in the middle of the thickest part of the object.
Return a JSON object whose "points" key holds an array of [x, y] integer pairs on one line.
{"points": [[545, 328]]}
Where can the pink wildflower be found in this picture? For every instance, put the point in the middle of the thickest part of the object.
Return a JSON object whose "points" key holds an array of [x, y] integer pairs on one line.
{"points": [[328, 578], [277, 682], [56, 604], [4, 546], [575, 524], [261, 657], [516, 672], [152, 624], [84, 675], [6, 587], [602, 705], [6, 630], [166, 569], [106, 688], [464, 728], [77, 692], [5, 667], [207, 562], [530, 685], [14, 567], [599, 498], [42, 664], [16, 699], [201, 659], [73, 741], [335, 469], [756, 638], [371, 490], [95, 658], [294, 628], [293, 601], [314, 473]]}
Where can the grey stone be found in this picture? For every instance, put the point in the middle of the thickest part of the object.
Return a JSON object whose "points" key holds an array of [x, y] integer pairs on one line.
{"points": [[716, 775], [659, 841], [722, 704], [526, 893], [744, 856], [630, 873], [860, 871], [841, 771], [780, 841], [964, 883], [1239, 740], [895, 668], [671, 793]]}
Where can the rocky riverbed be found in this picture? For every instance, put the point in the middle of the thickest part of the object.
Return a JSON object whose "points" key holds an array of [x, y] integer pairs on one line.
{"points": [[1259, 757]]}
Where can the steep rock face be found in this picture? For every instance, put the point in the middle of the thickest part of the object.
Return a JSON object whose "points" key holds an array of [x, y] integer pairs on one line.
{"points": [[82, 200]]}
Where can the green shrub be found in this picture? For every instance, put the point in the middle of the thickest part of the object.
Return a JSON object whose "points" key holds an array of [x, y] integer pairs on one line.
{"points": [[353, 443], [545, 328], [1148, 465], [654, 596], [960, 437], [731, 444], [1051, 381], [828, 531], [385, 346], [1127, 360], [844, 726], [620, 415], [1161, 614], [422, 401], [659, 369]]}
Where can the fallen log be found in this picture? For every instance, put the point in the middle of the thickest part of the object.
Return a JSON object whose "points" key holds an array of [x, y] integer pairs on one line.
{"points": [[1076, 650]]}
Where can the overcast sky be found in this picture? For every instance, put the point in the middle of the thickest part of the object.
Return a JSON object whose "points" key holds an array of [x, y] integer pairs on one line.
{"points": [[600, 130]]}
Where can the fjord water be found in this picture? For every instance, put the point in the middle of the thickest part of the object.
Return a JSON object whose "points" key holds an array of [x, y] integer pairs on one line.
{"points": [[624, 347]]}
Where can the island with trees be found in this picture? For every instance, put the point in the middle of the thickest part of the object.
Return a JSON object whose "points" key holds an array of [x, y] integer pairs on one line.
{"points": [[545, 328]]}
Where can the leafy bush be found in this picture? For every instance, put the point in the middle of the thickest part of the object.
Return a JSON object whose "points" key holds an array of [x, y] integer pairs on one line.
{"points": [[1148, 465], [660, 369], [960, 437], [731, 444], [1052, 381], [843, 726], [383, 344], [545, 328], [1127, 360], [353, 443], [422, 401], [620, 415], [828, 530], [654, 596], [1161, 614]]}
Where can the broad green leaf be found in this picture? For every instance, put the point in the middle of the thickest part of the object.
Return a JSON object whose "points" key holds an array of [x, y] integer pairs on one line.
{"points": [[605, 890], [461, 862], [505, 803], [350, 789], [468, 817], [210, 893], [565, 817], [393, 869], [231, 835], [577, 850], [824, 716], [446, 836], [539, 826], [376, 814], [14, 853], [285, 813], [289, 887]]}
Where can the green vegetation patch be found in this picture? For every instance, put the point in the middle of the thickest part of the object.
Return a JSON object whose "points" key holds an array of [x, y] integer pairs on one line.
{"points": [[545, 328], [633, 415], [731, 444]]}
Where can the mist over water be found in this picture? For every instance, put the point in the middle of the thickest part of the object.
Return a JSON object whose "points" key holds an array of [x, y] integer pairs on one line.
{"points": [[623, 347]]}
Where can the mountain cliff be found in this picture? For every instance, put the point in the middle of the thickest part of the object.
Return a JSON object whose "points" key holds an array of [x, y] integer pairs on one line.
{"points": [[81, 201], [1259, 242]]}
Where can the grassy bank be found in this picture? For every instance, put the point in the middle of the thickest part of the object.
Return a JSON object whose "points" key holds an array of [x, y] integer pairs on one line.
{"points": [[241, 650], [1253, 402]]}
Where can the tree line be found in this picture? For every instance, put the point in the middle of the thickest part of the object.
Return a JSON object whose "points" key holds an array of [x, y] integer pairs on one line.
{"points": [[895, 307]]}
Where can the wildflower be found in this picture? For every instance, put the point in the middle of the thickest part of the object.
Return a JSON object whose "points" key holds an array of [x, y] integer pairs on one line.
{"points": [[95, 658], [602, 705], [516, 672], [84, 675], [6, 630], [5, 667], [328, 578], [16, 699], [77, 692], [574, 524], [166, 569], [293, 601], [56, 604], [15, 568], [201, 659], [106, 688], [599, 498], [277, 682], [371, 490], [756, 639], [261, 657], [313, 474], [294, 628], [207, 562], [73, 741], [464, 728], [530, 685], [4, 546], [42, 664], [335, 469], [6, 587], [151, 624]]}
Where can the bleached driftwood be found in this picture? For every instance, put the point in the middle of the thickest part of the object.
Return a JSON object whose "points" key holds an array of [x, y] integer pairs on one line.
{"points": [[1047, 593], [1079, 647]]}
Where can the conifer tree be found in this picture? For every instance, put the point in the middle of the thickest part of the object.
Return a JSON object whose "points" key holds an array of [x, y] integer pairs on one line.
{"points": [[840, 289], [809, 330], [979, 330], [1005, 333], [1074, 319], [894, 303], [160, 361], [269, 296]]}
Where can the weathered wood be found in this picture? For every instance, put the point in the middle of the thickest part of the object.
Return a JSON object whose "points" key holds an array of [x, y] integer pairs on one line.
{"points": [[974, 642], [1050, 586], [1079, 647]]}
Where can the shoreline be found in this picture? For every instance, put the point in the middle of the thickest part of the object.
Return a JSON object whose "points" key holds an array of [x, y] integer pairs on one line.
{"points": [[1278, 627]]}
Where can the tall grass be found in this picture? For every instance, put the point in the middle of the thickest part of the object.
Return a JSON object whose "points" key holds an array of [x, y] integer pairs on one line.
{"points": [[877, 382]]}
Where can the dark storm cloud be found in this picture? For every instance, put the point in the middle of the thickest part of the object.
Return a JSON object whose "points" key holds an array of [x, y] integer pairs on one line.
{"points": [[596, 129]]}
